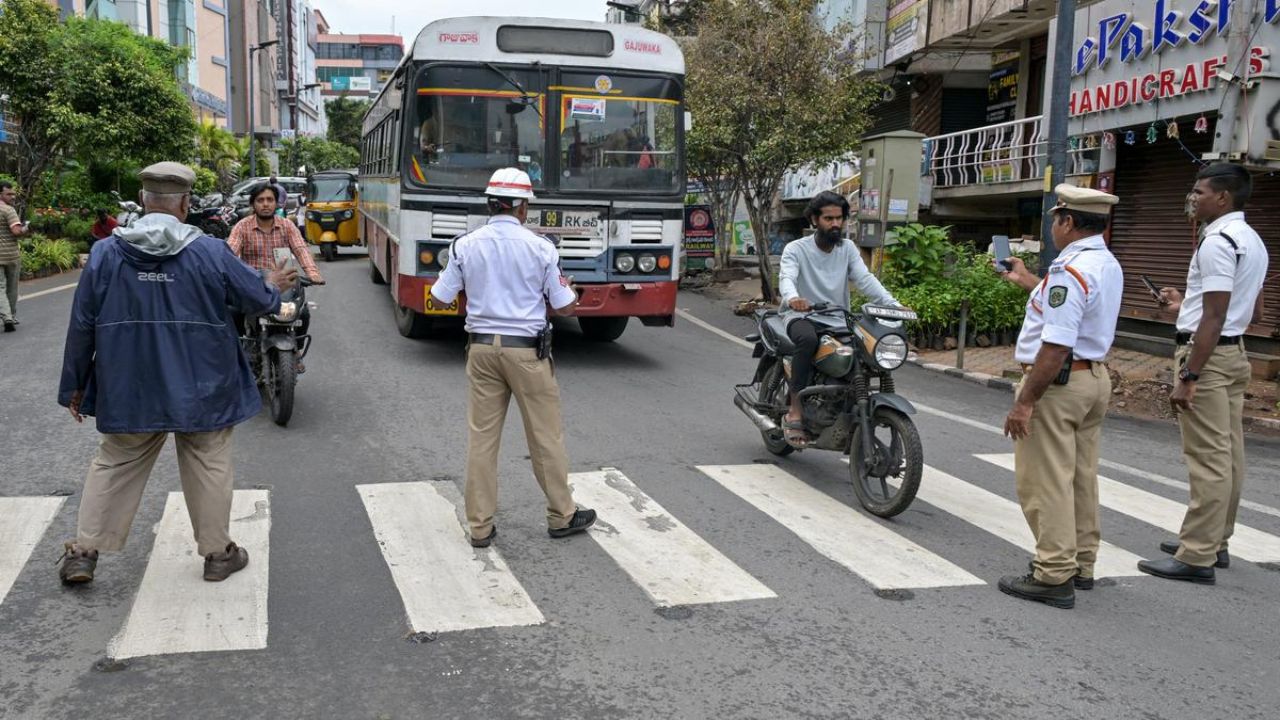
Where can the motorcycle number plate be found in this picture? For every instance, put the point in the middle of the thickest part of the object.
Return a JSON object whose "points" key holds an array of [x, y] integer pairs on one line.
{"points": [[431, 307]]}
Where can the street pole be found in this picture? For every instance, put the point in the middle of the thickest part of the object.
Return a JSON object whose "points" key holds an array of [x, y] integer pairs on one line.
{"points": [[253, 136], [1224, 137], [1059, 101]]}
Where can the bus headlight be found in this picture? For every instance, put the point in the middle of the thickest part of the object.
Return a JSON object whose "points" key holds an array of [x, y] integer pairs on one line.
{"points": [[891, 351], [624, 263], [647, 263]]}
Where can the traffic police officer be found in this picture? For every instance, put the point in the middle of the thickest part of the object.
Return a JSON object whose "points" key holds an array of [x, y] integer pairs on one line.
{"points": [[1056, 419], [511, 276], [1224, 294]]}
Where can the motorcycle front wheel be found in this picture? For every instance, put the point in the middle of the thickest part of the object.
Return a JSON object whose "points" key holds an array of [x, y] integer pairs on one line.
{"points": [[773, 390], [280, 384], [886, 482]]}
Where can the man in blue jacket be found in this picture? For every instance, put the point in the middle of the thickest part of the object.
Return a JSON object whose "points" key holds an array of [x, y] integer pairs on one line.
{"points": [[150, 351]]}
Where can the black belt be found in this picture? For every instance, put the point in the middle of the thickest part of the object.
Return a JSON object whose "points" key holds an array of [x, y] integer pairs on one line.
{"points": [[519, 341], [1185, 338]]}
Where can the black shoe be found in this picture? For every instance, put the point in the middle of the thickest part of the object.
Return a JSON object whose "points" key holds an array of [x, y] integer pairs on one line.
{"points": [[1175, 569], [219, 566], [581, 520], [77, 565], [1028, 587], [1080, 582], [1171, 547], [10, 326], [484, 542]]}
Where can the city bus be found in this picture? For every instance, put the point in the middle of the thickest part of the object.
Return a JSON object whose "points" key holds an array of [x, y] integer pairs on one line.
{"points": [[594, 112]]}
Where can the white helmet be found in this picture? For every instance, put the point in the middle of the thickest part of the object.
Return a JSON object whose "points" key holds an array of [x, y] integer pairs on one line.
{"points": [[510, 183]]}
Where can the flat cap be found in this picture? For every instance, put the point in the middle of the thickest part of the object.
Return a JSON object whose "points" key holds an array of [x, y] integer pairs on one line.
{"points": [[168, 178], [1073, 197]]}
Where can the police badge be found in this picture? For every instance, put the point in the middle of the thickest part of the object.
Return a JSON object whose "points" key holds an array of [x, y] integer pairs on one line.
{"points": [[1057, 295]]}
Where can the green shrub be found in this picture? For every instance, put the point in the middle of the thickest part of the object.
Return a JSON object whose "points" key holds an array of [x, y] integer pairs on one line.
{"points": [[77, 229], [39, 253]]}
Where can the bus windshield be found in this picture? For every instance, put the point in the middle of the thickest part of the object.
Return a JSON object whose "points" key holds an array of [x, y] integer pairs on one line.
{"points": [[619, 133], [469, 122]]}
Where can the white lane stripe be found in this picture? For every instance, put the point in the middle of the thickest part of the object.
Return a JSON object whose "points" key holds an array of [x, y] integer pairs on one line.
{"points": [[713, 329], [670, 562], [23, 521], [1004, 519], [879, 555], [1247, 543], [49, 291], [445, 583], [176, 611]]}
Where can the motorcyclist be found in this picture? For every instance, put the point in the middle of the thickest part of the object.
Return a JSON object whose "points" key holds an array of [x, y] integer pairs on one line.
{"points": [[257, 237], [816, 269]]}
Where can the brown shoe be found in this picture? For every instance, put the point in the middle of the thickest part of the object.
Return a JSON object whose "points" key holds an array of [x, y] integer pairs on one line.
{"points": [[77, 565], [219, 566]]}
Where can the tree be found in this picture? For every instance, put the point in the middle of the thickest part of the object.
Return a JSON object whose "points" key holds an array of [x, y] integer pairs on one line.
{"points": [[772, 90], [89, 90], [316, 154], [345, 118], [221, 152]]}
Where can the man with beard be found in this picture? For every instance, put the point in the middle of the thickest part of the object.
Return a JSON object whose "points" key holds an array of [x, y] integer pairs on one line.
{"points": [[816, 270]]}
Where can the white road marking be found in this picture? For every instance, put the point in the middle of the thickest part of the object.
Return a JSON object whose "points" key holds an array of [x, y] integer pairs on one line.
{"points": [[49, 291], [713, 329], [670, 562], [879, 555], [23, 521], [1004, 519], [446, 584], [1247, 543], [176, 611]]}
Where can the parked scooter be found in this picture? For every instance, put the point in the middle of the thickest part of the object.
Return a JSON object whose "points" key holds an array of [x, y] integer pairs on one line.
{"points": [[206, 214], [129, 211]]}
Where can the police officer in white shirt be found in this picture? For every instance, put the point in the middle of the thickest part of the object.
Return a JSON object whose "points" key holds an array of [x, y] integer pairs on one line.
{"points": [[511, 277], [1224, 294], [1056, 420]]}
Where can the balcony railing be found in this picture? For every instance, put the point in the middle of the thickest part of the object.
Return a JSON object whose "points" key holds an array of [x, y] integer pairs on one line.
{"points": [[1008, 152]]}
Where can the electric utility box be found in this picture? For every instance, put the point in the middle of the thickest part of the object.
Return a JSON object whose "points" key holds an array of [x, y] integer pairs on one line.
{"points": [[892, 165]]}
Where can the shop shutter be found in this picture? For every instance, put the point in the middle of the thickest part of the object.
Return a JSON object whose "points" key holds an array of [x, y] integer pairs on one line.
{"points": [[893, 115], [1150, 232]]}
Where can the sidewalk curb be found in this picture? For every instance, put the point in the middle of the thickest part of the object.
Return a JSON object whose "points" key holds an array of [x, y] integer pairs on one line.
{"points": [[1260, 423], [978, 378]]}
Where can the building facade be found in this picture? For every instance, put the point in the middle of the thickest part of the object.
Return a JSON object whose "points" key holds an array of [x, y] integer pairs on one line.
{"points": [[253, 23], [300, 107], [356, 66]]}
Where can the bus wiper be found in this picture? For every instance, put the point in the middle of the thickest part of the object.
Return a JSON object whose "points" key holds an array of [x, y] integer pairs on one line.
{"points": [[526, 98]]}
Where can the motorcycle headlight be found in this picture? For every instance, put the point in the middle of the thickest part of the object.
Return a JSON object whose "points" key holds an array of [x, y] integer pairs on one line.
{"points": [[443, 257], [891, 352], [647, 263], [624, 263], [288, 311]]}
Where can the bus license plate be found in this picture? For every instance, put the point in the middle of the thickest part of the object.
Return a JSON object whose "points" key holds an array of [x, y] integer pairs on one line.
{"points": [[431, 307], [565, 222]]}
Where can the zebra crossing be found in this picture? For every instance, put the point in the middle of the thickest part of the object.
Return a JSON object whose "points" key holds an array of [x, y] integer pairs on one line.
{"points": [[445, 585]]}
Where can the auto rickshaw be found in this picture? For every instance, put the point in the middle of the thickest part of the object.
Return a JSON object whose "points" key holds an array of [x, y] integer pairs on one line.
{"points": [[332, 214]]}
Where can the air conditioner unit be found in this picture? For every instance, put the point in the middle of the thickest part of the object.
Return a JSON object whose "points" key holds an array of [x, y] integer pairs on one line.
{"points": [[1273, 150]]}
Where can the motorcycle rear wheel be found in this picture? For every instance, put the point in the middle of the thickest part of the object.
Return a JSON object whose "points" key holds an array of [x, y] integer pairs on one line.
{"points": [[898, 457], [773, 390], [280, 385]]}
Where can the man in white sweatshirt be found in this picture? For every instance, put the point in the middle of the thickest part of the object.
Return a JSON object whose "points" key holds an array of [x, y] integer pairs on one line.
{"points": [[817, 269]]}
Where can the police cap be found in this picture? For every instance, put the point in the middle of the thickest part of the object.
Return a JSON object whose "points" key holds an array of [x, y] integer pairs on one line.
{"points": [[167, 178], [1086, 200]]}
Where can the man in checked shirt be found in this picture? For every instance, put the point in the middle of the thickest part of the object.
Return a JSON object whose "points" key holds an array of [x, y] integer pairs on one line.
{"points": [[256, 237]]}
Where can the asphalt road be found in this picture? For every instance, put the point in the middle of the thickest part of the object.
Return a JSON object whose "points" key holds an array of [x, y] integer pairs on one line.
{"points": [[375, 408]]}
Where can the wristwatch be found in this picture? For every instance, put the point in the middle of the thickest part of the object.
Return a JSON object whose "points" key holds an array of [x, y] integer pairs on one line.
{"points": [[1187, 376]]}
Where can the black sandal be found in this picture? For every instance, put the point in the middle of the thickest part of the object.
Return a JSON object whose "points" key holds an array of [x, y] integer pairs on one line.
{"points": [[794, 433]]}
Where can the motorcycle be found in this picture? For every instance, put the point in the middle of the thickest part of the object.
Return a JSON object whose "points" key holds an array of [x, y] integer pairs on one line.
{"points": [[206, 214], [129, 210], [274, 348], [842, 411]]}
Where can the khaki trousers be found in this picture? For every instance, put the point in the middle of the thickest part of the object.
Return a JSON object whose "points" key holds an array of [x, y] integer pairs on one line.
{"points": [[496, 373], [1213, 447], [9, 290], [1056, 470], [119, 473]]}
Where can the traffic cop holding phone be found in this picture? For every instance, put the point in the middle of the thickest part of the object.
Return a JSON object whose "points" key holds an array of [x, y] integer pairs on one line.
{"points": [[1056, 419], [511, 276]]}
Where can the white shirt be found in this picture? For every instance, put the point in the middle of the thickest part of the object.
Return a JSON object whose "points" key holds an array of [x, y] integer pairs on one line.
{"points": [[820, 277], [1076, 305], [1217, 267], [509, 274]]}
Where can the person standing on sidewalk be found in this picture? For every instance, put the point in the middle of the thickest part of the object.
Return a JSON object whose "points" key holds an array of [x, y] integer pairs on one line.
{"points": [[511, 277], [1056, 420], [11, 228], [151, 351], [1224, 294]]}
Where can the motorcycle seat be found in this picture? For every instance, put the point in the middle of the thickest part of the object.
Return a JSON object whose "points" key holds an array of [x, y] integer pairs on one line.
{"points": [[775, 330]]}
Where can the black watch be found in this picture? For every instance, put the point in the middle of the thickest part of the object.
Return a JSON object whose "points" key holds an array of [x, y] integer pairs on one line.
{"points": [[1187, 376]]}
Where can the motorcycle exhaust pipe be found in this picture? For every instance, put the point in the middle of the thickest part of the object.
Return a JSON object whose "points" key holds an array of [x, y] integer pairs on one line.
{"points": [[759, 420]]}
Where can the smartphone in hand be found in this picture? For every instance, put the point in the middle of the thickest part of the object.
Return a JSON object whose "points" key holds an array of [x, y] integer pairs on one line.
{"points": [[1151, 288], [1001, 251]]}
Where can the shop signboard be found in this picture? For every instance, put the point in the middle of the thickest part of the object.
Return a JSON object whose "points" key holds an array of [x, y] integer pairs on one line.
{"points": [[1002, 88], [906, 29], [699, 236]]}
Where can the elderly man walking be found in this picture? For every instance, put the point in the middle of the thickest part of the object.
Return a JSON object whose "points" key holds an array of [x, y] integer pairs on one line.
{"points": [[150, 351]]}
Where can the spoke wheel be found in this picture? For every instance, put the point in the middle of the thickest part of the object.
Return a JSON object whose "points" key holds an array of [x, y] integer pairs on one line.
{"points": [[773, 390], [887, 481]]}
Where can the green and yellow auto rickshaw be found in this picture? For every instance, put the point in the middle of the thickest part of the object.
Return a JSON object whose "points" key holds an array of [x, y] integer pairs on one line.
{"points": [[333, 218]]}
